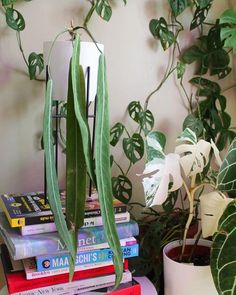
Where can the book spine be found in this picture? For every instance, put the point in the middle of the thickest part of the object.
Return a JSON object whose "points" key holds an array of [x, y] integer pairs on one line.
{"points": [[76, 287], [18, 282], [88, 222], [24, 247], [97, 212], [61, 261]]}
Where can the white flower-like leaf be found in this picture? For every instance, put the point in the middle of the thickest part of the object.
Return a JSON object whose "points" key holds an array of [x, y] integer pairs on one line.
{"points": [[193, 157], [212, 207], [165, 176]]}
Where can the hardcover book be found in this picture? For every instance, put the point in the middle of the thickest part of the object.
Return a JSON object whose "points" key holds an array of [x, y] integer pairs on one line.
{"points": [[61, 261], [30, 208], [21, 247]]}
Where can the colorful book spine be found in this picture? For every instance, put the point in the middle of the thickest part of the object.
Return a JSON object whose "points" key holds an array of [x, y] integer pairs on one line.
{"points": [[71, 288], [21, 247], [88, 222], [61, 261]]}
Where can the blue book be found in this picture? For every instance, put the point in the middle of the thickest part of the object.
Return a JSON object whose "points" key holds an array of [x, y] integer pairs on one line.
{"points": [[21, 247], [52, 262]]}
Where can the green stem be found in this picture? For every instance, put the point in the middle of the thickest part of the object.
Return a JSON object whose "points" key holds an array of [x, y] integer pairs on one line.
{"points": [[18, 38], [90, 13], [121, 170], [130, 165]]}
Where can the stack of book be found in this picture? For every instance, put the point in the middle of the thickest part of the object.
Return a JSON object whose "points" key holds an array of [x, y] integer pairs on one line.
{"points": [[36, 262]]}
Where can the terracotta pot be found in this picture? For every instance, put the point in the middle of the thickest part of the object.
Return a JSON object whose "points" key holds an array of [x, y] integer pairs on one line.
{"points": [[185, 278]]}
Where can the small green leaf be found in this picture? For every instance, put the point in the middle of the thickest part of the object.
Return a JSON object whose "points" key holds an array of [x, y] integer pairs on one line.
{"points": [[203, 3], [226, 180], [206, 87], [180, 68], [14, 19], [192, 54], [178, 6], [36, 64], [8, 2], [134, 148], [159, 30], [195, 124], [116, 133], [146, 121], [134, 109], [103, 9], [228, 32], [199, 16], [122, 188]]}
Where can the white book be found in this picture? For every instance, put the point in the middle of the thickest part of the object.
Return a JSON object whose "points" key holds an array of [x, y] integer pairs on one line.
{"points": [[88, 222], [32, 273], [78, 287]]}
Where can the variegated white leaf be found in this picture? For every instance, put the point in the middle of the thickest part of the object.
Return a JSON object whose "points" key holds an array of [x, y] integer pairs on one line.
{"points": [[165, 177], [187, 136], [194, 157], [212, 207]]}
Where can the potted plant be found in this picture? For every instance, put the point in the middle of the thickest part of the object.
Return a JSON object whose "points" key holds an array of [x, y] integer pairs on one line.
{"points": [[79, 153]]}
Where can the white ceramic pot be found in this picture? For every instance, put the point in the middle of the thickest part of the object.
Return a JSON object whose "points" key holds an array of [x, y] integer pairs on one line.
{"points": [[61, 53], [183, 278]]}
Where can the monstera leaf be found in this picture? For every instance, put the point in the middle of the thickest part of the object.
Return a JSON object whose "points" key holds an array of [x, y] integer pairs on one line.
{"points": [[228, 32], [194, 154], [164, 170]]}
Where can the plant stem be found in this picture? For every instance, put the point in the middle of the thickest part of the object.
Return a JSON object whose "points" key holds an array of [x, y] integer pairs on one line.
{"points": [[228, 88], [90, 13], [18, 38], [121, 170]]}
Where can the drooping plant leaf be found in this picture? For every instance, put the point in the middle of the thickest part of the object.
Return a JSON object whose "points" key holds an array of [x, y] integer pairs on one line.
{"points": [[134, 109], [178, 6], [134, 147], [170, 202], [228, 32], [226, 180], [116, 133], [180, 68], [192, 54], [76, 171], [53, 193], [36, 64], [8, 2], [223, 261], [103, 172], [83, 123], [205, 87], [104, 9], [122, 188], [199, 16], [15, 19], [159, 30]]}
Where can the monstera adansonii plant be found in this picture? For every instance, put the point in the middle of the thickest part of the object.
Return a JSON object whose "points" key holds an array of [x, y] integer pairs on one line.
{"points": [[80, 160], [191, 168]]}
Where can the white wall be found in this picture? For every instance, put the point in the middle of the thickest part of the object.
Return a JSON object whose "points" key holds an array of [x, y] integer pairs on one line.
{"points": [[135, 67]]}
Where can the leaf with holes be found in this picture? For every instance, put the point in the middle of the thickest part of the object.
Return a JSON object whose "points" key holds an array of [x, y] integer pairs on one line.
{"points": [[36, 64], [134, 109], [14, 19], [178, 6], [116, 133], [146, 121], [134, 148], [223, 261], [205, 87], [226, 180], [122, 188], [103, 9], [199, 16], [159, 30]]}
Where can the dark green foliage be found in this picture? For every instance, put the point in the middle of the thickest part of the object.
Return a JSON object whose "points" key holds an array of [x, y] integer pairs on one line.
{"points": [[15, 19], [200, 15], [134, 147], [116, 133], [122, 188], [178, 6], [36, 64]]}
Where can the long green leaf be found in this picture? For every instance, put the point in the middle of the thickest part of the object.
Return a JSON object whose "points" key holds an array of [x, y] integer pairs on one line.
{"points": [[51, 176], [223, 259], [75, 164], [84, 128], [103, 173]]}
